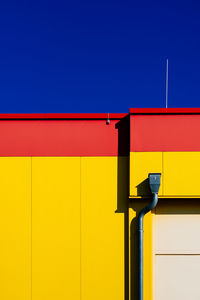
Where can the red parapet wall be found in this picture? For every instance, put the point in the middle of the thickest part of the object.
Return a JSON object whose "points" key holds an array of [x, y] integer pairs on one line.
{"points": [[58, 138], [171, 129], [64, 135]]}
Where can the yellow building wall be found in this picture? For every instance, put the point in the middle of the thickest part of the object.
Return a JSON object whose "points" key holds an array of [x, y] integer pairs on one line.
{"points": [[180, 173], [56, 228], [63, 228], [179, 179], [102, 231], [15, 228]]}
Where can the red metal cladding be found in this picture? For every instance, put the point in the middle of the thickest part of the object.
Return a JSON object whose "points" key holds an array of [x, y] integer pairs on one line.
{"points": [[170, 132], [58, 138]]}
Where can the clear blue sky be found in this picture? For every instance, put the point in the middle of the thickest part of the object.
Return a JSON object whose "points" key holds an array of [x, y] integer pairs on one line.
{"points": [[98, 56]]}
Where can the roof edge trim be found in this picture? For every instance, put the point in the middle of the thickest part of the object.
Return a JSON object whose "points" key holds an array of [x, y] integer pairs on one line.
{"points": [[63, 116], [151, 111]]}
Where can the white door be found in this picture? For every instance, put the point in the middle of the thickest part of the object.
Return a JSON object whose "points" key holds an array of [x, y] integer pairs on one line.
{"points": [[176, 250]]}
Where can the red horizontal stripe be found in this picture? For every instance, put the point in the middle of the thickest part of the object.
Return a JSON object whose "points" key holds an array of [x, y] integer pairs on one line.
{"points": [[181, 110], [165, 133], [58, 138], [80, 116]]}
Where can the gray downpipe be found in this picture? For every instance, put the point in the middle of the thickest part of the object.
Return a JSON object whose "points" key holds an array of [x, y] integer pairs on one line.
{"points": [[143, 212], [154, 183]]}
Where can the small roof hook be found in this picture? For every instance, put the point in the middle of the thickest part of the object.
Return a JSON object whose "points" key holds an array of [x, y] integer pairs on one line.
{"points": [[108, 120]]}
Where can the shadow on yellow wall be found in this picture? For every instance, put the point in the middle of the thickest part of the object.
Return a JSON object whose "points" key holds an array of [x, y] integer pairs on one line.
{"points": [[130, 209], [123, 127]]}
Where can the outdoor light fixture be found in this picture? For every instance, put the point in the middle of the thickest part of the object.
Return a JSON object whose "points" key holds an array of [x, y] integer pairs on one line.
{"points": [[154, 183]]}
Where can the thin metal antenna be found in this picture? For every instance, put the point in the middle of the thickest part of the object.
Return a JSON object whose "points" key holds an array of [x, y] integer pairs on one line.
{"points": [[167, 74]]}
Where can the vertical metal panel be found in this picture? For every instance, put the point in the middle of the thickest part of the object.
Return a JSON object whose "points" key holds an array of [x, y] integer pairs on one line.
{"points": [[56, 228], [181, 173], [15, 228], [102, 231]]}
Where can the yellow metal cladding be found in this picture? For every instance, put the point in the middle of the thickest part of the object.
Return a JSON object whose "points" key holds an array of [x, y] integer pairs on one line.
{"points": [[180, 173], [55, 228], [180, 178], [102, 231], [15, 228], [63, 228]]}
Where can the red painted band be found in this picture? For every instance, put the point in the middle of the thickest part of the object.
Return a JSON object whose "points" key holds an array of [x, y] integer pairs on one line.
{"points": [[58, 138], [165, 133]]}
